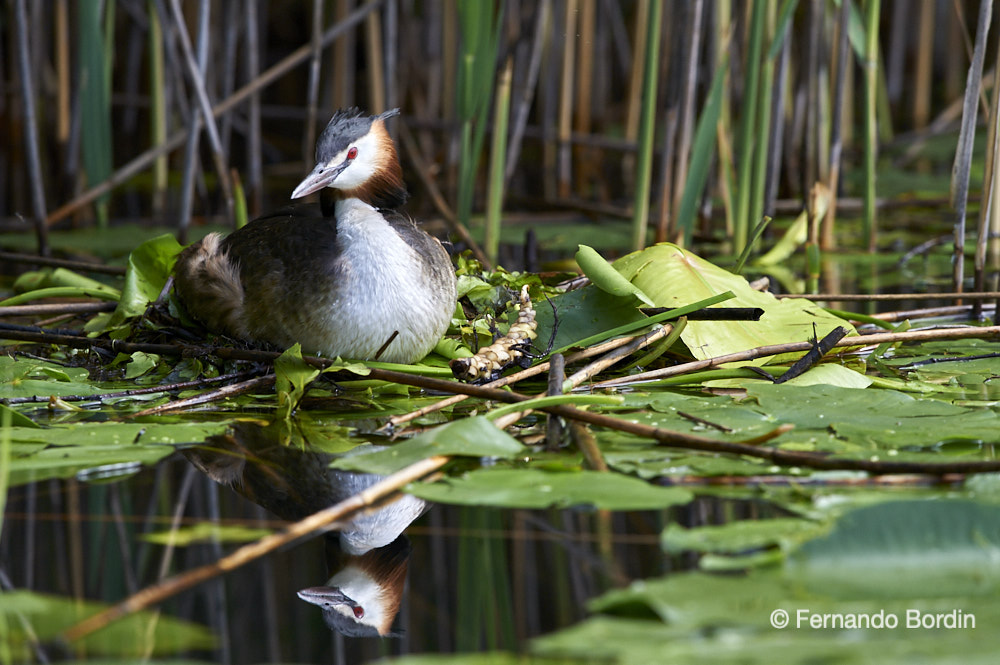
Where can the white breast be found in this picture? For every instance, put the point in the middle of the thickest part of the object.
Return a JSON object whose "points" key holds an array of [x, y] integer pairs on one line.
{"points": [[385, 290]]}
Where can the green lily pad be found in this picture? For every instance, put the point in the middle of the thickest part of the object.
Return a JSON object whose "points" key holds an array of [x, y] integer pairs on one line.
{"points": [[672, 277], [901, 549], [874, 419], [906, 564]]}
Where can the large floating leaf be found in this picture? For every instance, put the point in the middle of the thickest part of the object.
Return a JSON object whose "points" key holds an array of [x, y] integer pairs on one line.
{"points": [[919, 549], [673, 277], [535, 488], [474, 436], [873, 419], [904, 563]]}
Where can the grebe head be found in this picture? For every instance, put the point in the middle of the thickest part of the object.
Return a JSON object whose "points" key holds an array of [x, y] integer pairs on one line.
{"points": [[356, 156]]}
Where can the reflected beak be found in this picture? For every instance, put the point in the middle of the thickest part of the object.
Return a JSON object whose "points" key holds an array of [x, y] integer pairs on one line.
{"points": [[326, 595], [320, 177]]}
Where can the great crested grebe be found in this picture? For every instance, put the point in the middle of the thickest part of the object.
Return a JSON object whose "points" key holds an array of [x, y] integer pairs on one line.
{"points": [[341, 278]]}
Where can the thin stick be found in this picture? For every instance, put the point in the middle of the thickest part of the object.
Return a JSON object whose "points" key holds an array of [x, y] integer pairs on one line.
{"points": [[827, 239], [554, 427], [212, 396], [686, 120], [870, 119], [612, 357], [927, 312], [602, 363], [192, 156], [647, 128], [793, 347], [524, 99], [312, 93], [201, 93], [174, 585], [148, 390], [966, 138], [563, 168], [36, 183], [255, 161]]}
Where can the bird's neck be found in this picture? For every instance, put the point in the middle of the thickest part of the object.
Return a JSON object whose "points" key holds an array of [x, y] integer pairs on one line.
{"points": [[385, 189]]}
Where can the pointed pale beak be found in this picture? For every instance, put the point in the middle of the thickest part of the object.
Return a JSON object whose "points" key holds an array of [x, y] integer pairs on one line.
{"points": [[326, 595], [320, 177]]}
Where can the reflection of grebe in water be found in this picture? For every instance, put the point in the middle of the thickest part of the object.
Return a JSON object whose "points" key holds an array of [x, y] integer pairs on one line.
{"points": [[367, 557]]}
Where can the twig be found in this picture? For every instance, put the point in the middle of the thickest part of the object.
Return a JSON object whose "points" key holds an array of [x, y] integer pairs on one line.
{"points": [[212, 396], [170, 387], [584, 440], [957, 311], [173, 585], [201, 93], [616, 355], [22, 37], [793, 347], [814, 355]]}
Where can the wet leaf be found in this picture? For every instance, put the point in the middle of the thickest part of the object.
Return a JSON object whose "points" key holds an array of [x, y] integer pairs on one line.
{"points": [[292, 377], [100, 449], [140, 364], [473, 436], [874, 419], [536, 488], [149, 266]]}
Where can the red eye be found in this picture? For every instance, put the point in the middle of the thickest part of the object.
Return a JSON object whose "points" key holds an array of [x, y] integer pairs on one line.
{"points": [[358, 611], [352, 153]]}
